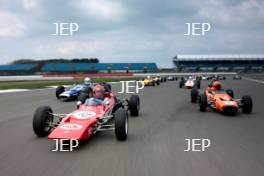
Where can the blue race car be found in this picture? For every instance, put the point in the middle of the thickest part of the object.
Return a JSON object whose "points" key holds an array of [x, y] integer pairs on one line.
{"points": [[74, 92], [79, 91]]}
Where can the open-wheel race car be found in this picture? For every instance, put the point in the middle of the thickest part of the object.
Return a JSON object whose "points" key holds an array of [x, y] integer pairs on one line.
{"points": [[90, 117], [151, 81], [190, 82], [221, 100], [74, 91]]}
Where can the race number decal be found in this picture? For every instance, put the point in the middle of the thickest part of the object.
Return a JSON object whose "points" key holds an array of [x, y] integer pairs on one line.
{"points": [[84, 115], [71, 126]]}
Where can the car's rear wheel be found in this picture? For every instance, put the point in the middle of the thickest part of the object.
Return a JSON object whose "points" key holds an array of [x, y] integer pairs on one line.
{"points": [[107, 87], [181, 84], [247, 104], [82, 97], [194, 95], [42, 121], [198, 84], [59, 90], [203, 103], [134, 105], [121, 124], [230, 92]]}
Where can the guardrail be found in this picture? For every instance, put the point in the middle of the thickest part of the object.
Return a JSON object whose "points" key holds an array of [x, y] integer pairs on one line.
{"points": [[185, 74], [71, 76]]}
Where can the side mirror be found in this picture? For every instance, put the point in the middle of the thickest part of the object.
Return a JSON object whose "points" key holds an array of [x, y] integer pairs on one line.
{"points": [[78, 104]]}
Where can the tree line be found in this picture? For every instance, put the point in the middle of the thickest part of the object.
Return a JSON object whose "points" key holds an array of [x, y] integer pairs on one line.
{"points": [[60, 60]]}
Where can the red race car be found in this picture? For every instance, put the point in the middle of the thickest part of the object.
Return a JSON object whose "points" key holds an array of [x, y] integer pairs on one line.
{"points": [[221, 100], [92, 116]]}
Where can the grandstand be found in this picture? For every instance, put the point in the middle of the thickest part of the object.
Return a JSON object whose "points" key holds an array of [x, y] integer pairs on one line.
{"points": [[99, 68], [18, 69], [242, 63]]}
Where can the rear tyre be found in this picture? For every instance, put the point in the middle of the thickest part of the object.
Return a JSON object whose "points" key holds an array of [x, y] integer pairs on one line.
{"points": [[121, 124], [134, 105], [247, 104], [181, 84], [42, 120], [194, 95], [230, 92], [203, 103], [59, 90], [107, 87], [198, 84], [82, 97]]}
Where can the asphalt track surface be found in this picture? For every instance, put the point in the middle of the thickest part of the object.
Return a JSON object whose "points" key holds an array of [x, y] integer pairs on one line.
{"points": [[156, 141]]}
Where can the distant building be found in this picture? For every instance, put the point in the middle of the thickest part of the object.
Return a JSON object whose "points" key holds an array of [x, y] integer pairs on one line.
{"points": [[25, 69], [219, 62]]}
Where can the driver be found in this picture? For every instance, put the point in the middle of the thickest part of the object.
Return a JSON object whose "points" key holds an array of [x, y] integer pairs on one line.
{"points": [[87, 81], [99, 96], [99, 92], [216, 85]]}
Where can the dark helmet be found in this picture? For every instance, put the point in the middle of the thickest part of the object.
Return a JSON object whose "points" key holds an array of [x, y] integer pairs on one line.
{"points": [[216, 85]]}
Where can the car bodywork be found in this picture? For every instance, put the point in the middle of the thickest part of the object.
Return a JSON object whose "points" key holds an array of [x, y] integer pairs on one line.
{"points": [[88, 119], [190, 83], [237, 77], [221, 100], [150, 81], [73, 92]]}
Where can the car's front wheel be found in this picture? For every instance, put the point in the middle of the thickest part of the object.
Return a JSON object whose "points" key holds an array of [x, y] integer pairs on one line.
{"points": [[42, 121], [194, 94], [203, 103], [247, 104], [121, 124]]}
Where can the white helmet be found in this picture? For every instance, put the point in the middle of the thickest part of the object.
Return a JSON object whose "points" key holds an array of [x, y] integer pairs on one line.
{"points": [[87, 80], [148, 77]]}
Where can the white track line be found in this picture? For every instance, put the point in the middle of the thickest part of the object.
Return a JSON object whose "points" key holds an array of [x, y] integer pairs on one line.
{"points": [[254, 80], [13, 90], [48, 87]]}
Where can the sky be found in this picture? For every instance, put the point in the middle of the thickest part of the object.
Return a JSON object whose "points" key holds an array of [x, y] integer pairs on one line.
{"points": [[129, 30]]}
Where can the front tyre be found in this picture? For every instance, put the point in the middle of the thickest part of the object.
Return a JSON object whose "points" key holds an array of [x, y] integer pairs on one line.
{"points": [[121, 124], [247, 104], [203, 103], [82, 97], [42, 121], [194, 95]]}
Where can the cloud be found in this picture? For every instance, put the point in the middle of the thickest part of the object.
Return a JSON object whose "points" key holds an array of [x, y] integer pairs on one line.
{"points": [[243, 13], [103, 9], [118, 30], [11, 25], [33, 6]]}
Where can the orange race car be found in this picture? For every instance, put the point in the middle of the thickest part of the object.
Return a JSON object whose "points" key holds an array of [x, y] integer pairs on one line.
{"points": [[221, 100]]}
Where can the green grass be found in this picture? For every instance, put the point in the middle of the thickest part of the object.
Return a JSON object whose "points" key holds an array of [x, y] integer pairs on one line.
{"points": [[45, 83]]}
